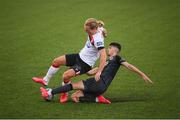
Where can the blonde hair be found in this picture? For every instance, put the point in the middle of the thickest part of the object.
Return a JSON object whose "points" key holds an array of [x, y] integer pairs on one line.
{"points": [[101, 24], [92, 23]]}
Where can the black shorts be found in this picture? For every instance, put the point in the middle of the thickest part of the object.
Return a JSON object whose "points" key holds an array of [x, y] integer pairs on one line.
{"points": [[75, 62], [93, 87]]}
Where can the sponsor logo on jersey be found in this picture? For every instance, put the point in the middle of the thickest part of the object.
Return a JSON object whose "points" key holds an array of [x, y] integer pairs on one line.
{"points": [[99, 43]]}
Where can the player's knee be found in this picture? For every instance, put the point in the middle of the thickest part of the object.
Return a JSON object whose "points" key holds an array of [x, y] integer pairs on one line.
{"points": [[67, 76], [56, 63], [59, 61]]}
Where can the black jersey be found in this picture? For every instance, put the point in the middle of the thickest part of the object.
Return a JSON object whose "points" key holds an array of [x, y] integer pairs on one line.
{"points": [[110, 70]]}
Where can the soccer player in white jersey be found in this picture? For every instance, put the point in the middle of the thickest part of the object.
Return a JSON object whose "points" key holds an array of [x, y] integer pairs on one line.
{"points": [[82, 62]]}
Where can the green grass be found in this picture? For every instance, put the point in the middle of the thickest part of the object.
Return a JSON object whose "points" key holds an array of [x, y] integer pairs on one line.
{"points": [[34, 32]]}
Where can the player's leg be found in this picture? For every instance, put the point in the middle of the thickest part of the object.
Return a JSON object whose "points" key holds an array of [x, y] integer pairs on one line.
{"points": [[87, 97], [80, 96], [67, 75], [57, 62], [84, 95], [91, 97], [66, 80], [68, 87], [94, 90], [78, 68]]}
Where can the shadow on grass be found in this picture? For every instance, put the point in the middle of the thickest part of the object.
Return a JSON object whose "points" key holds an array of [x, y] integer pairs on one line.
{"points": [[131, 98]]}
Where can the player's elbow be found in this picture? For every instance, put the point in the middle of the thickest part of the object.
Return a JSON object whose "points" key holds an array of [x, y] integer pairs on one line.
{"points": [[129, 66], [102, 51], [132, 68]]}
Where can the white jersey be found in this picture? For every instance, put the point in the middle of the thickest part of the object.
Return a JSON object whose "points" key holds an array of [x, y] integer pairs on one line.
{"points": [[90, 53]]}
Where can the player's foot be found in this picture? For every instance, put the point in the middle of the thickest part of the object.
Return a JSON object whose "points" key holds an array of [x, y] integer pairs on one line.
{"points": [[46, 93], [39, 80], [101, 99], [63, 97]]}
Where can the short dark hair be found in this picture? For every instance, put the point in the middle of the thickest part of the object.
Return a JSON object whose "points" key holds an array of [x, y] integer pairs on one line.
{"points": [[115, 44]]}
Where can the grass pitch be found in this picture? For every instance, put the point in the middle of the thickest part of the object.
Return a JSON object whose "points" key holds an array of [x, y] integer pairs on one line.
{"points": [[34, 32]]}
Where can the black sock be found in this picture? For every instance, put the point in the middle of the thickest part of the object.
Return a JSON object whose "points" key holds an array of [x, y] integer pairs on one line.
{"points": [[87, 99], [62, 89]]}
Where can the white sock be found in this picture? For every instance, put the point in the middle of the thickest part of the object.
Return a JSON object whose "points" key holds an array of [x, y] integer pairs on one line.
{"points": [[52, 70], [50, 96], [97, 99]]}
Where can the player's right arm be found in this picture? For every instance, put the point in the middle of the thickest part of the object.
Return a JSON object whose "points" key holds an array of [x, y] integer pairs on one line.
{"points": [[92, 72], [99, 44], [136, 70]]}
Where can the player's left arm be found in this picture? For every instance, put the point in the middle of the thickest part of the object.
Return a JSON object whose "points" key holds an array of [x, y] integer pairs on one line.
{"points": [[136, 70]]}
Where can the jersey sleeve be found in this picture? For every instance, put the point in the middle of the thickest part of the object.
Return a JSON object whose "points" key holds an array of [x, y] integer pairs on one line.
{"points": [[122, 60], [99, 42]]}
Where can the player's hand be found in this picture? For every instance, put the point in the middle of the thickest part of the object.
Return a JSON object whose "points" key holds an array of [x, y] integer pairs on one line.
{"points": [[147, 79], [78, 73], [97, 76]]}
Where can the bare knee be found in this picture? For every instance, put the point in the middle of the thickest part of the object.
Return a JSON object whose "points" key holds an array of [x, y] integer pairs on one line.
{"points": [[57, 62], [68, 75], [78, 85]]}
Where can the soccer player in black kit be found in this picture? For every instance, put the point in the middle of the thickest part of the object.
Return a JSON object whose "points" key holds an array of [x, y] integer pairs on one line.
{"points": [[91, 89]]}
